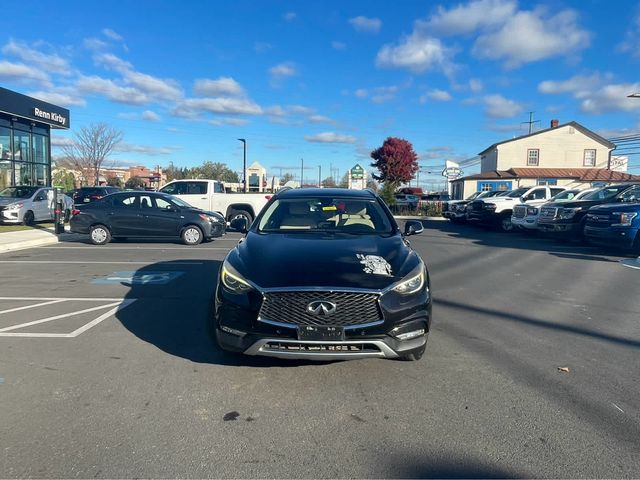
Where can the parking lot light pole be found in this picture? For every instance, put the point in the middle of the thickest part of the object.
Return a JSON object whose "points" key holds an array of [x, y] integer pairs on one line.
{"points": [[244, 164]]}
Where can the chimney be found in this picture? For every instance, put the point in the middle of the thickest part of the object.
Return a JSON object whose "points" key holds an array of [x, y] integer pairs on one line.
{"points": [[554, 123]]}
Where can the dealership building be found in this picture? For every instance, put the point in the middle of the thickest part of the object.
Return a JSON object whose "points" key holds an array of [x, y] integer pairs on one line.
{"points": [[25, 138]]}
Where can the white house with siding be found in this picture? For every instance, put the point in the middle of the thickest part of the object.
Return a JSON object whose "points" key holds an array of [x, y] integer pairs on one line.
{"points": [[567, 155]]}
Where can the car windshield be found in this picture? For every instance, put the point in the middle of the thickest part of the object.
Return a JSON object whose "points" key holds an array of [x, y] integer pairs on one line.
{"points": [[518, 192], [606, 193], [18, 192], [564, 196], [325, 214]]}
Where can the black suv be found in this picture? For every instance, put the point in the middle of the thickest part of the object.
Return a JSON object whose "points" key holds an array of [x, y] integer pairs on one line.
{"points": [[91, 194], [323, 274]]}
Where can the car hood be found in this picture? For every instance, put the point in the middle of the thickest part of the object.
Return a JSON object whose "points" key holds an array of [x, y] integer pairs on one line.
{"points": [[500, 200], [616, 207], [316, 260], [9, 200]]}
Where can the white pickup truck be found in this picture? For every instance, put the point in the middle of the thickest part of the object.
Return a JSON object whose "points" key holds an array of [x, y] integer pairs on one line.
{"points": [[210, 195], [498, 210]]}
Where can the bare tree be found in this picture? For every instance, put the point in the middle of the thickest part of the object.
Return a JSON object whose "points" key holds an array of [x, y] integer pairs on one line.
{"points": [[90, 147]]}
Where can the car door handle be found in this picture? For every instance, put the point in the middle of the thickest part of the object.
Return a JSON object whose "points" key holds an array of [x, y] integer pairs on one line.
{"points": [[203, 198]]}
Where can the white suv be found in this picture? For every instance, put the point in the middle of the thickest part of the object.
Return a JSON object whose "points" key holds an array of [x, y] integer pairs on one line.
{"points": [[27, 205], [526, 215]]}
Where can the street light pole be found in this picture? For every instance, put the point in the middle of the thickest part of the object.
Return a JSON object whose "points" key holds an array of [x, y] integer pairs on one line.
{"points": [[301, 171], [319, 176], [244, 164]]}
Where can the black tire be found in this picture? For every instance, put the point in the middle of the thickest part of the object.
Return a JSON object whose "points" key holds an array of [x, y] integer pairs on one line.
{"points": [[415, 355], [505, 224], [28, 219], [241, 214], [191, 235], [99, 235]]}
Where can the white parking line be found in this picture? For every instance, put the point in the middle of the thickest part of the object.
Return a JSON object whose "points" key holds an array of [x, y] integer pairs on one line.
{"points": [[31, 306], [138, 248], [119, 304], [64, 299], [57, 317]]}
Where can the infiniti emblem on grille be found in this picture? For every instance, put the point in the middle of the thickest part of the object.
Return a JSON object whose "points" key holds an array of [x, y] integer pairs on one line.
{"points": [[322, 308]]}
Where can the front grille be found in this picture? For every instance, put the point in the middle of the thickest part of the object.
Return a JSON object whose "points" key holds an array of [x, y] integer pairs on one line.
{"points": [[519, 211], [476, 206], [321, 347], [291, 307], [548, 213], [2, 208], [600, 220]]}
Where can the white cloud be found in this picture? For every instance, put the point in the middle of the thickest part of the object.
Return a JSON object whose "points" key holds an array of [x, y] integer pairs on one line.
{"points": [[286, 69], [238, 122], [417, 53], [497, 106], [366, 24], [65, 98], [319, 119], [150, 116], [51, 63], [437, 95], [57, 141], [330, 137], [107, 32], [221, 105], [262, 47], [163, 89], [612, 98], [290, 16], [222, 86], [300, 109], [631, 42], [276, 111], [530, 36], [102, 86], [475, 85], [112, 62], [467, 18], [338, 45], [578, 85], [361, 93], [23, 74], [123, 147], [94, 44]]}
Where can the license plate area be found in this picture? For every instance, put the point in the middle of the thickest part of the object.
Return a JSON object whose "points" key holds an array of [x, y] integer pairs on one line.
{"points": [[316, 333]]}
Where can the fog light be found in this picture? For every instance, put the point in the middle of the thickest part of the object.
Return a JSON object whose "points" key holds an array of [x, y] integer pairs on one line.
{"points": [[232, 331], [410, 335]]}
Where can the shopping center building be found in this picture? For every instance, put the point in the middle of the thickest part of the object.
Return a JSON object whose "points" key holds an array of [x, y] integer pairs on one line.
{"points": [[25, 140]]}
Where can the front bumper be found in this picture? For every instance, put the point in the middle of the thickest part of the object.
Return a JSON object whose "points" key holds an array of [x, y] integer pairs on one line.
{"points": [[528, 222], [10, 216], [561, 228], [622, 237], [239, 328], [482, 216]]}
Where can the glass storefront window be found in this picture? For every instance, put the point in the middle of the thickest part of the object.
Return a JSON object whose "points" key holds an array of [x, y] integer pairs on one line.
{"points": [[5, 174], [21, 146], [5, 144], [41, 174], [40, 148], [24, 173]]}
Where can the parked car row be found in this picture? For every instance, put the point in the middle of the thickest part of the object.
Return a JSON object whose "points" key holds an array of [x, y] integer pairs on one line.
{"points": [[29, 204], [609, 215]]}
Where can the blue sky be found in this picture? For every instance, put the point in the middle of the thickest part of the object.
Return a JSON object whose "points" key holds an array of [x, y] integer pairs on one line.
{"points": [[326, 81]]}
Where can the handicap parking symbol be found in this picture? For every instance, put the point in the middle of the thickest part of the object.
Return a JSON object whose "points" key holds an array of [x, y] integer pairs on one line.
{"points": [[138, 278]]}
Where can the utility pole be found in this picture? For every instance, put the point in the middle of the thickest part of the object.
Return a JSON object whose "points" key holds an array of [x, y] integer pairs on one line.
{"points": [[244, 164], [319, 176], [301, 172], [531, 121]]}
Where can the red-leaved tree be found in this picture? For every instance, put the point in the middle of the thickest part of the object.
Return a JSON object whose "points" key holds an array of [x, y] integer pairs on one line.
{"points": [[397, 163]]}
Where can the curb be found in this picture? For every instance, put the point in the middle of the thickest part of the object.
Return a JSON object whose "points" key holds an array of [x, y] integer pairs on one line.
{"points": [[38, 242]]}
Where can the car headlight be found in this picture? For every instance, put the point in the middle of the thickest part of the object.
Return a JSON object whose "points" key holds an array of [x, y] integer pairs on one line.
{"points": [[232, 280], [568, 213], [14, 206], [532, 211], [623, 219], [490, 206], [412, 283]]}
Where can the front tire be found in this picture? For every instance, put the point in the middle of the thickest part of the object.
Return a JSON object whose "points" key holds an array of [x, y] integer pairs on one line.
{"points": [[415, 355], [505, 223], [241, 214], [191, 235], [28, 219], [99, 235]]}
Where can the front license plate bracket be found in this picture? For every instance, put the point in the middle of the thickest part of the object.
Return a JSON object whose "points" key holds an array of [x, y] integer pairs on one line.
{"points": [[320, 333]]}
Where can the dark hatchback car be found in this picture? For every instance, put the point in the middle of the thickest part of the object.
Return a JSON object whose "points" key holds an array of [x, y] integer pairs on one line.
{"points": [[143, 215], [91, 194], [323, 274]]}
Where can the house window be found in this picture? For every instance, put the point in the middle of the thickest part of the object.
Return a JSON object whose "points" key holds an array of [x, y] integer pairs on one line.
{"points": [[589, 158], [533, 157], [547, 181]]}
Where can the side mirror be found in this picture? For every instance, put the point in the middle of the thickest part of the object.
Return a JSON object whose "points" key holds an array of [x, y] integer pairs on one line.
{"points": [[239, 225], [412, 227], [171, 208], [523, 199]]}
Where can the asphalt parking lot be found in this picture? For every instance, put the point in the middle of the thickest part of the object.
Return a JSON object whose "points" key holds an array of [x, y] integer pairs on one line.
{"points": [[106, 370]]}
